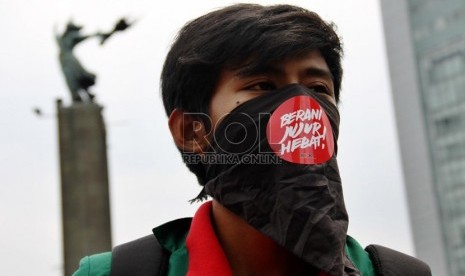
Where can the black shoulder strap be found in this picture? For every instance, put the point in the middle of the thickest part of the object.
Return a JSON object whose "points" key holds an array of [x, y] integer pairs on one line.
{"points": [[388, 262], [141, 257]]}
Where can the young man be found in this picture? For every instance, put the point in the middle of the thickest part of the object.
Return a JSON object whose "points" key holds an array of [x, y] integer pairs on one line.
{"points": [[251, 95]]}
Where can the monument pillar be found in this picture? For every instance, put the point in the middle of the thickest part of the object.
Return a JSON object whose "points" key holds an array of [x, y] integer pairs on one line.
{"points": [[84, 182]]}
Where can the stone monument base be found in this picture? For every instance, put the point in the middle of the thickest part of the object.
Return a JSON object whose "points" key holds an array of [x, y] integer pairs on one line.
{"points": [[84, 182]]}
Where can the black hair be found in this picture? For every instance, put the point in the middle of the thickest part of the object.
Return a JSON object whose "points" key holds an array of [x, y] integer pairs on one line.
{"points": [[241, 35]]}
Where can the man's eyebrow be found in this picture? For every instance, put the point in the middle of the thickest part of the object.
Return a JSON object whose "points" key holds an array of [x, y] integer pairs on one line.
{"points": [[254, 70], [318, 72], [261, 70]]}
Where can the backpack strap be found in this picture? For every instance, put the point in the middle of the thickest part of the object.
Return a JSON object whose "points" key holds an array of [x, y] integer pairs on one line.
{"points": [[142, 257], [388, 262]]}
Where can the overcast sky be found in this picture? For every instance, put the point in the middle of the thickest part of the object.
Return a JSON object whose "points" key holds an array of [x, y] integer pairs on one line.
{"points": [[148, 182]]}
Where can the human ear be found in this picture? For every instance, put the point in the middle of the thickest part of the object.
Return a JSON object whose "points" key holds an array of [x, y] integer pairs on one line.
{"points": [[188, 131]]}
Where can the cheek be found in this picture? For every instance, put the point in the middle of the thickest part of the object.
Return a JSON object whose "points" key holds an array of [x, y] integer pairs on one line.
{"points": [[222, 104]]}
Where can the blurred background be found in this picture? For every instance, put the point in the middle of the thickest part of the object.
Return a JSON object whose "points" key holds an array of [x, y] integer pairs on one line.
{"points": [[150, 185]]}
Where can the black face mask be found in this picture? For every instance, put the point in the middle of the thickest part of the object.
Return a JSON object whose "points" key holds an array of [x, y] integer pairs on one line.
{"points": [[281, 174]]}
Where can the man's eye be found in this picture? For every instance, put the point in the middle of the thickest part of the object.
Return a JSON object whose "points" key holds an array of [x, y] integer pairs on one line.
{"points": [[320, 89], [262, 86]]}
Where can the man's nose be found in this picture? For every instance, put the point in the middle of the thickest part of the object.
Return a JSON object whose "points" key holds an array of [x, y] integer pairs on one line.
{"points": [[289, 79]]}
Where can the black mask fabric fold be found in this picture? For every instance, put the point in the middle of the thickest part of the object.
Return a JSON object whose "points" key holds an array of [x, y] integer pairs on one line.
{"points": [[298, 205]]}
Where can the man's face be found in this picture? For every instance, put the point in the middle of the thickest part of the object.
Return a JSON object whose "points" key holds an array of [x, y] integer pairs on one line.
{"points": [[234, 88]]}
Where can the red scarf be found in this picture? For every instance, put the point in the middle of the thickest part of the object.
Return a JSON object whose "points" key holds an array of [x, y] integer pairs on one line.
{"points": [[206, 257]]}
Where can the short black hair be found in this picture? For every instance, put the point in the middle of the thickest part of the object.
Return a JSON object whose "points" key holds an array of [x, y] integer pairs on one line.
{"points": [[249, 36], [228, 37]]}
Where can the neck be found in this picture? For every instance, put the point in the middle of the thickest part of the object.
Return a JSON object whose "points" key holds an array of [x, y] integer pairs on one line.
{"points": [[249, 252]]}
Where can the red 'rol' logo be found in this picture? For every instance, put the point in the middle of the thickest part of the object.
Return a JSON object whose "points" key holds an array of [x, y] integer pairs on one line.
{"points": [[300, 132]]}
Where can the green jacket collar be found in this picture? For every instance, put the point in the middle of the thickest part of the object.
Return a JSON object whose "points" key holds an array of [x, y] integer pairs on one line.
{"points": [[172, 237]]}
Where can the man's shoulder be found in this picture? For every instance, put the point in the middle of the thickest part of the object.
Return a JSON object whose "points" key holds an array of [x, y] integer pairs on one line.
{"points": [[171, 236], [380, 260], [95, 265]]}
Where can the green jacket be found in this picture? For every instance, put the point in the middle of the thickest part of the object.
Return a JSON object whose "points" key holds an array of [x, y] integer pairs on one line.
{"points": [[173, 239]]}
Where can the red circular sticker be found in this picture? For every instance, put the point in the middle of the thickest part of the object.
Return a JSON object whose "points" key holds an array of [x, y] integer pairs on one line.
{"points": [[300, 132]]}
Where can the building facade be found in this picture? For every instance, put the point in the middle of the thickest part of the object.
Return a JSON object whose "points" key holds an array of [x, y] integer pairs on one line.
{"points": [[425, 43]]}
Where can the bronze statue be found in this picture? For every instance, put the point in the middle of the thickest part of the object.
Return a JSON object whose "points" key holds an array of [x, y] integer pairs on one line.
{"points": [[77, 78]]}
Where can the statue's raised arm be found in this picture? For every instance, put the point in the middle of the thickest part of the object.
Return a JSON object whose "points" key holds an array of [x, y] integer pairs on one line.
{"points": [[78, 79]]}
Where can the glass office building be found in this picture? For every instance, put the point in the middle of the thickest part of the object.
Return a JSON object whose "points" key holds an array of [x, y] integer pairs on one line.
{"points": [[425, 43]]}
